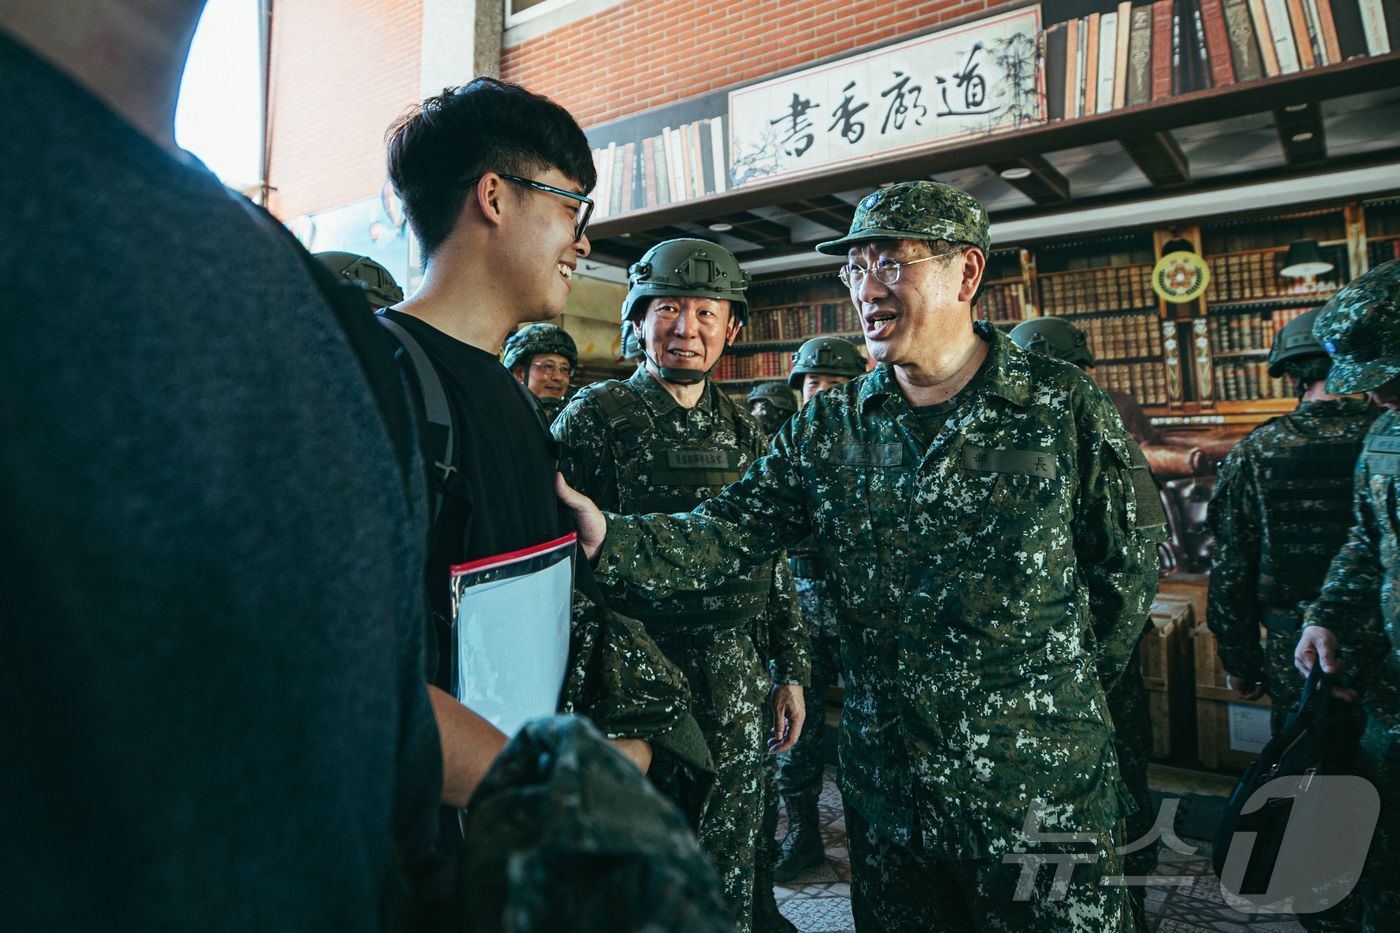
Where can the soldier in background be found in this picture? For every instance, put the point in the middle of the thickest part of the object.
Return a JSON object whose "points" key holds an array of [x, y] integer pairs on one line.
{"points": [[990, 535], [542, 357], [1353, 628], [1280, 513], [818, 364], [665, 440], [1127, 694], [771, 404]]}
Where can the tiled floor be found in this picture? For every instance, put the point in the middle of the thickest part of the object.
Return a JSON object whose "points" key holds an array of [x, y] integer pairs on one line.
{"points": [[819, 902]]}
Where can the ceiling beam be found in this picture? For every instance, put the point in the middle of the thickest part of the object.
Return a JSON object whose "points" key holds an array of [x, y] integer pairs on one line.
{"points": [[1159, 157], [1044, 184], [1300, 132], [754, 228]]}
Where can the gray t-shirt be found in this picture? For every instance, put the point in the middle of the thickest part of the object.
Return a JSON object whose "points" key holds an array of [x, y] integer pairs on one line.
{"points": [[214, 714]]}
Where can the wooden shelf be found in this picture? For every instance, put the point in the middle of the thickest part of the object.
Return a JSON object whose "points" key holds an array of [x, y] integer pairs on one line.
{"points": [[1249, 305]]}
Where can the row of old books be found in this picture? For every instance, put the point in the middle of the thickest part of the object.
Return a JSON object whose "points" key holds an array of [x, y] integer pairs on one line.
{"points": [[677, 164], [1146, 382], [1003, 303], [1086, 291], [1246, 381], [765, 364], [1254, 276], [1123, 336], [800, 322], [1382, 250], [1233, 333], [1136, 51]]}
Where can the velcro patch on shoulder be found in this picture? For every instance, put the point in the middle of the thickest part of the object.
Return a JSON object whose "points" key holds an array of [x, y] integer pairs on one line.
{"points": [[867, 454], [1147, 497], [1027, 462]]}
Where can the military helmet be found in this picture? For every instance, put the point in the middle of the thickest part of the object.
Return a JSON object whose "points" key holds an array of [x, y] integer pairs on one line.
{"points": [[1294, 343], [1054, 337], [539, 338], [775, 394], [1360, 327], [631, 346], [380, 288], [915, 210], [830, 356], [686, 268]]}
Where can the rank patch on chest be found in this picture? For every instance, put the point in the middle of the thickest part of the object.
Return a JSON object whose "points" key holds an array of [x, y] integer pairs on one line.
{"points": [[1026, 462], [702, 459]]}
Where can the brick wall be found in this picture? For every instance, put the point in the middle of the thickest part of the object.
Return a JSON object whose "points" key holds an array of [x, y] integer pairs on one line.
{"points": [[647, 53], [342, 70]]}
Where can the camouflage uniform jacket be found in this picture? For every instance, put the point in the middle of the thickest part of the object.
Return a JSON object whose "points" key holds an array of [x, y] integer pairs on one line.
{"points": [[590, 465], [1281, 509], [1359, 601], [982, 582]]}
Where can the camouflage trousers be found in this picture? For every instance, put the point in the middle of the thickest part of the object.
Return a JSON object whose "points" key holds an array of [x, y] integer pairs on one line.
{"points": [[899, 889], [1378, 894], [1132, 741], [729, 689], [800, 769]]}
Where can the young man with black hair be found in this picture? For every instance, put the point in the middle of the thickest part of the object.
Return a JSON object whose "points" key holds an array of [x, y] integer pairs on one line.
{"points": [[494, 181]]}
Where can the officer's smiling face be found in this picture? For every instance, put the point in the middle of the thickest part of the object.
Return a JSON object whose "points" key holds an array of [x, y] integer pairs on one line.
{"points": [[904, 321], [687, 333]]}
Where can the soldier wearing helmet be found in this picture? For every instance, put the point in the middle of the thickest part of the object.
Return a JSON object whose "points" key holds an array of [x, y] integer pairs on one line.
{"points": [[665, 440], [771, 404], [1353, 628], [381, 291], [819, 364], [542, 357], [990, 535]]}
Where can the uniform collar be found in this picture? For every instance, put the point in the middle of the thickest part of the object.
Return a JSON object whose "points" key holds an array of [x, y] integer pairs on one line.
{"points": [[661, 401], [1005, 372]]}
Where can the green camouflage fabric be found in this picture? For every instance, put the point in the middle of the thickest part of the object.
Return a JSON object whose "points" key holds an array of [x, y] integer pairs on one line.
{"points": [[1132, 743], [984, 581], [1280, 512], [905, 889], [915, 210], [538, 338], [730, 669], [1360, 327], [1358, 605], [800, 768], [564, 833]]}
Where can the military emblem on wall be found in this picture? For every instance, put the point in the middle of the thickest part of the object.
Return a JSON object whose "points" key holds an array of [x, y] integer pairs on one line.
{"points": [[1180, 277]]}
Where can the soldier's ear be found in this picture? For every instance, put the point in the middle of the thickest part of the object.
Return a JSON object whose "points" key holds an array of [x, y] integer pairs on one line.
{"points": [[973, 265]]}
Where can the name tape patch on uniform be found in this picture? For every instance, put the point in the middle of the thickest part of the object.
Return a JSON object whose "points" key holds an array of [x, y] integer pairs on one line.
{"points": [[1384, 463], [868, 454], [1027, 462], [1384, 445], [702, 459]]}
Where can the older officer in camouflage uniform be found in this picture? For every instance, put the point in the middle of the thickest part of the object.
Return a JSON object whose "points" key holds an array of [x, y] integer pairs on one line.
{"points": [[1281, 511], [1353, 628], [989, 536], [542, 357], [1127, 695], [666, 439], [818, 364]]}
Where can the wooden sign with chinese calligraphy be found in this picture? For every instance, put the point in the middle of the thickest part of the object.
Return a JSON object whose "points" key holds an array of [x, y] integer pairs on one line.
{"points": [[966, 81]]}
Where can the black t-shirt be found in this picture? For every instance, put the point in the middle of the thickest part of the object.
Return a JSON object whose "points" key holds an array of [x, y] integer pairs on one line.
{"points": [[211, 653], [505, 459]]}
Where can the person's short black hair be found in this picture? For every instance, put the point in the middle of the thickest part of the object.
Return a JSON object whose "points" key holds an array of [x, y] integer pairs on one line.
{"points": [[459, 135]]}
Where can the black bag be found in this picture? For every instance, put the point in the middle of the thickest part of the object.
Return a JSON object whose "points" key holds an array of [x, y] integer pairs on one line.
{"points": [[1319, 737]]}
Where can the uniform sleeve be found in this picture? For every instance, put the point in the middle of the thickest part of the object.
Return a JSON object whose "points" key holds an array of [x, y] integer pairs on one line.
{"points": [[1118, 525], [587, 461], [1233, 613], [750, 521], [1349, 604], [789, 648]]}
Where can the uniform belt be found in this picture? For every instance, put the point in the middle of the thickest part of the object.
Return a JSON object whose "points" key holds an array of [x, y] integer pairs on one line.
{"points": [[1282, 619]]}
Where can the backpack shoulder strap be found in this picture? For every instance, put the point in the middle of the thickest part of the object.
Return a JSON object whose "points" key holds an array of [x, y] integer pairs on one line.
{"points": [[436, 411], [625, 412]]}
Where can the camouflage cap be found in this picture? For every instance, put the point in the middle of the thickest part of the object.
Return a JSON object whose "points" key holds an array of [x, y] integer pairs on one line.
{"points": [[1360, 327], [915, 210]]}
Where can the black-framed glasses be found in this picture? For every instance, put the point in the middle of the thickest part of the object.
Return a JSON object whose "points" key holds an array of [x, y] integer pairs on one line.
{"points": [[585, 204], [885, 270]]}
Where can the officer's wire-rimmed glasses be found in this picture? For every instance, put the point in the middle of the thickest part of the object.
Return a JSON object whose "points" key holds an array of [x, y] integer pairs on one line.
{"points": [[585, 204], [551, 368], [886, 270]]}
